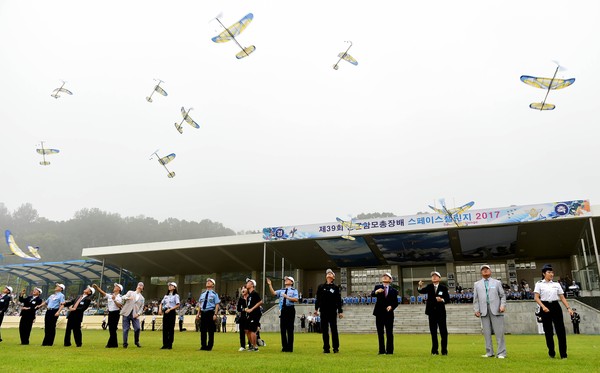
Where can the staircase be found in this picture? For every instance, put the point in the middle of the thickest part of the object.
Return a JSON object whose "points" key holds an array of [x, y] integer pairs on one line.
{"points": [[409, 319]]}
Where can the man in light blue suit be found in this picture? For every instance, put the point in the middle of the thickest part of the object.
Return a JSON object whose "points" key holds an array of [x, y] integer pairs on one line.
{"points": [[489, 303]]}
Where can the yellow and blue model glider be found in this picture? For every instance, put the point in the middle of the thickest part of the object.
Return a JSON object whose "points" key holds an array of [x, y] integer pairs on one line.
{"points": [[163, 162], [15, 249], [56, 93], [233, 31], [186, 118], [346, 56], [350, 225], [158, 89], [44, 152], [547, 84], [452, 212]]}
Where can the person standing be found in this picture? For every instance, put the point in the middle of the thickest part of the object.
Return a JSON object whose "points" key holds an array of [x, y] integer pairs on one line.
{"points": [[76, 309], [52, 305], [387, 301], [435, 309], [30, 305], [224, 323], [5, 299], [575, 319], [253, 314], [133, 306], [115, 303], [168, 307], [207, 313], [489, 304], [329, 303], [242, 304], [547, 294], [288, 297]]}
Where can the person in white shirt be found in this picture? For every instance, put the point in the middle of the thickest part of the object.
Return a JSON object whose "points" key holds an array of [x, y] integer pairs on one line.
{"points": [[115, 303], [168, 307], [547, 294]]}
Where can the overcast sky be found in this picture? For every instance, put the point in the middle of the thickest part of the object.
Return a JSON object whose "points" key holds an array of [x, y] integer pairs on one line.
{"points": [[435, 107]]}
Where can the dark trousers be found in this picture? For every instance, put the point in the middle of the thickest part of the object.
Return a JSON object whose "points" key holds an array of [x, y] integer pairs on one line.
{"points": [[242, 336], [555, 317], [327, 321], [438, 320], [50, 327], [575, 328], [1, 318], [169, 329], [207, 326], [113, 323], [73, 325], [387, 323], [25, 325], [286, 325]]}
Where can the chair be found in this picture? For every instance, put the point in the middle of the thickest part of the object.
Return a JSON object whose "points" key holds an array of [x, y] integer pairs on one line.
{"points": [[419, 299], [412, 299]]}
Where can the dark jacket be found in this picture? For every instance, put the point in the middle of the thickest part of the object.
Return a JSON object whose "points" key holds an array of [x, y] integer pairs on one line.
{"points": [[4, 303], [77, 314], [433, 306], [31, 302], [383, 302], [329, 299]]}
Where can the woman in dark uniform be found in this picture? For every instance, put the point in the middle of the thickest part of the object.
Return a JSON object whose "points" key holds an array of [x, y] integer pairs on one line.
{"points": [[242, 319]]}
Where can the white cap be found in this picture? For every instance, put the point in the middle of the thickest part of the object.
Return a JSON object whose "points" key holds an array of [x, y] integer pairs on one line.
{"points": [[119, 286], [329, 270], [172, 283], [252, 281], [140, 284], [62, 286], [211, 280], [92, 289], [436, 273], [290, 278], [484, 266], [9, 288], [389, 275], [38, 289]]}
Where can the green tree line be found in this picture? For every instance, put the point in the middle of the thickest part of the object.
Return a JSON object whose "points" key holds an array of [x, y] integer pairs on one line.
{"points": [[92, 227]]}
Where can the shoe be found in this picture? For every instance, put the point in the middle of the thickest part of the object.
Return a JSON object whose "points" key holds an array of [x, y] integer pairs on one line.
{"points": [[125, 345], [563, 357], [501, 357], [138, 344], [381, 353], [487, 355], [552, 354], [78, 345], [242, 349], [434, 353], [445, 353], [169, 348], [163, 348], [335, 350], [325, 351], [69, 345]]}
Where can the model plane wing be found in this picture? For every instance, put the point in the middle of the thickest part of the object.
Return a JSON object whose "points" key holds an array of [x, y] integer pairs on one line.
{"points": [[234, 30], [14, 248], [546, 83], [348, 58]]}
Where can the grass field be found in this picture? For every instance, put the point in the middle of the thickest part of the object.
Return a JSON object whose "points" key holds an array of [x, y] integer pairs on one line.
{"points": [[358, 353]]}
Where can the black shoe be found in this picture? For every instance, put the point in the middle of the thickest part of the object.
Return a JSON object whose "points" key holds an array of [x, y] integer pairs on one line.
{"points": [[125, 345], [68, 345], [78, 345], [325, 351], [203, 349], [335, 350], [434, 353], [163, 348], [563, 356], [552, 354], [389, 353], [445, 353], [169, 348], [138, 344]]}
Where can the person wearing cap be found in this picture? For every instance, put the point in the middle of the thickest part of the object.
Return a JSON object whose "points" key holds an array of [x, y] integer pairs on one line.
{"points": [[76, 309], [575, 319], [168, 308], [253, 314], [133, 306], [242, 319], [30, 305], [288, 297], [207, 313], [489, 304], [52, 305], [114, 304], [547, 294], [435, 309], [329, 303], [5, 300], [387, 301]]}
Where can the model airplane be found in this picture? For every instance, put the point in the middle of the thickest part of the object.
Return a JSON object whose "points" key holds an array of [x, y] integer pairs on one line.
{"points": [[547, 84], [346, 56], [158, 89], [163, 162], [56, 93], [233, 31], [452, 212], [186, 118], [44, 152], [350, 225]]}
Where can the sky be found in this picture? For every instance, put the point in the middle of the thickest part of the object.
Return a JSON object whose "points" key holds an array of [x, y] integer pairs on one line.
{"points": [[434, 109]]}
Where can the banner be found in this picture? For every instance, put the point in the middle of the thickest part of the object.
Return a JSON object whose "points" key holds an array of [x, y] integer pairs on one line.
{"points": [[504, 215]]}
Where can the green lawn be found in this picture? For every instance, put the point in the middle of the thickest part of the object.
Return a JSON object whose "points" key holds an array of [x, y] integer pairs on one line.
{"points": [[357, 353]]}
